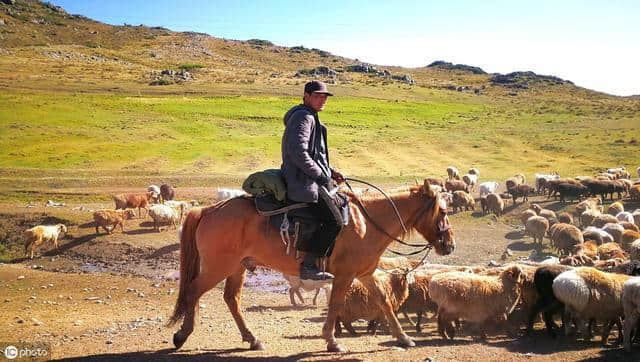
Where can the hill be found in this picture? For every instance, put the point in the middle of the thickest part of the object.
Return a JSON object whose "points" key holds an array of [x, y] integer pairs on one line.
{"points": [[84, 102]]}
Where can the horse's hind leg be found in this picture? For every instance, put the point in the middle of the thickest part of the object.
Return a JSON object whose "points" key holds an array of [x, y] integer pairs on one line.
{"points": [[200, 285], [233, 296]]}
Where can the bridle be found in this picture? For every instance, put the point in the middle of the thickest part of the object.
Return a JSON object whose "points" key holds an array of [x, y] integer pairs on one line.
{"points": [[443, 224]]}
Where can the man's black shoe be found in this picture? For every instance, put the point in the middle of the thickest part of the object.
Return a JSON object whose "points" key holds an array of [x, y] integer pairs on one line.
{"points": [[308, 272]]}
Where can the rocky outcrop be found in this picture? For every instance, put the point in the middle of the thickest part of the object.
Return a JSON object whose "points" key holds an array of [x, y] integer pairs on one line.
{"points": [[523, 80], [463, 67]]}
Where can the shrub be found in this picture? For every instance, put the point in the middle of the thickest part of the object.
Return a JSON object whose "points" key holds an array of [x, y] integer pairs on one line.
{"points": [[188, 67], [260, 42]]}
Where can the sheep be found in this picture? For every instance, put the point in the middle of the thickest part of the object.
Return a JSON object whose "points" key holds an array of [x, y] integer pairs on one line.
{"points": [[541, 181], [456, 185], [537, 227], [591, 294], [636, 217], [588, 248], [475, 298], [565, 236], [41, 234], [512, 182], [520, 190], [295, 284], [126, 201], [615, 208], [488, 187], [596, 234], [614, 170], [611, 251], [224, 194], [547, 303], [631, 307], [628, 237], [603, 187], [162, 213], [452, 173], [629, 226], [471, 180], [167, 192], [181, 206], [495, 204], [588, 216], [634, 250], [525, 215], [155, 189], [568, 190], [461, 200], [110, 219], [634, 192], [625, 216], [546, 213], [615, 230], [603, 219], [592, 203], [565, 217], [358, 300], [474, 171]]}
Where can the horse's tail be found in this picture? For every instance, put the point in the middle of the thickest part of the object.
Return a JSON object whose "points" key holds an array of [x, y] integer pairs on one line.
{"points": [[189, 262]]}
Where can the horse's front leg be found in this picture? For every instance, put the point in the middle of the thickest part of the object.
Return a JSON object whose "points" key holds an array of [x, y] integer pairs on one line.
{"points": [[233, 296], [379, 297], [338, 290]]}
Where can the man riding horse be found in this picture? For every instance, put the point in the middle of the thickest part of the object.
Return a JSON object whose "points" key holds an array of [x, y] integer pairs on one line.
{"points": [[308, 175]]}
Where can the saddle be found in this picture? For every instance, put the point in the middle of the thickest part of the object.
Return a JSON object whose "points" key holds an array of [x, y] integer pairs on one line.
{"points": [[295, 222]]}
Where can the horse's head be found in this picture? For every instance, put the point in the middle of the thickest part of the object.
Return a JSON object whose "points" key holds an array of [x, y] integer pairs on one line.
{"points": [[434, 223]]}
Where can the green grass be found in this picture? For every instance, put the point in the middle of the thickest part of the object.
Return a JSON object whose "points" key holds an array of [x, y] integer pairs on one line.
{"points": [[382, 139]]}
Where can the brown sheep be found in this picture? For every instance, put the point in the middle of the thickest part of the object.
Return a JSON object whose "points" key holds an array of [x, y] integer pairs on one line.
{"points": [[537, 227], [628, 237], [611, 251], [615, 230], [475, 298], [587, 248], [456, 185], [565, 217], [634, 192], [167, 192], [591, 203], [132, 201], [629, 226], [359, 303], [495, 204], [462, 200], [588, 217], [40, 234], [520, 190], [603, 219], [111, 218], [564, 237], [546, 213]]}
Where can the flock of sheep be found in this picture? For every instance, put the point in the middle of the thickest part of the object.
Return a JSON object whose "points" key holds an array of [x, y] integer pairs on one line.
{"points": [[592, 281], [158, 203]]}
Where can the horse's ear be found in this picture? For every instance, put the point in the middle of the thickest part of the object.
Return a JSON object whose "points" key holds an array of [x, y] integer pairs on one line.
{"points": [[428, 190], [416, 180]]}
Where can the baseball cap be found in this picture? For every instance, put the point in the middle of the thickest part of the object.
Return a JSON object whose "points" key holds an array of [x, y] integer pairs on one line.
{"points": [[316, 86]]}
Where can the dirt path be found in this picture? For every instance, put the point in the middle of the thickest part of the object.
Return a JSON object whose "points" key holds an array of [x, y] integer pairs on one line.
{"points": [[107, 297]]}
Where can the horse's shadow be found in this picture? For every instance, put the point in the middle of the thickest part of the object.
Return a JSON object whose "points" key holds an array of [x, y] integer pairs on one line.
{"points": [[233, 354]]}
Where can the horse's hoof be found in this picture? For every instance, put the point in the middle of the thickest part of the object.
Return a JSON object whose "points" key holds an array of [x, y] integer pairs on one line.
{"points": [[335, 347], [405, 341], [257, 346], [178, 341]]}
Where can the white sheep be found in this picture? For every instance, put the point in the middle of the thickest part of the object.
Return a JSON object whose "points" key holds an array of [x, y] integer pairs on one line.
{"points": [[224, 193], [40, 234], [588, 294], [295, 284], [453, 173], [471, 180], [164, 214], [488, 187], [625, 216], [155, 189], [597, 234]]}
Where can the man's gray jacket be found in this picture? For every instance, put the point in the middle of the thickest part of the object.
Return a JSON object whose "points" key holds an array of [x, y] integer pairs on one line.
{"points": [[305, 156]]}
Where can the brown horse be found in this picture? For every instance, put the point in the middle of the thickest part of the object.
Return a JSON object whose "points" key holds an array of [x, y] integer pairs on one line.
{"points": [[215, 240]]}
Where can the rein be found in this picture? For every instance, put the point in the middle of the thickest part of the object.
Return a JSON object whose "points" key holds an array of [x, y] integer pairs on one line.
{"points": [[423, 247]]}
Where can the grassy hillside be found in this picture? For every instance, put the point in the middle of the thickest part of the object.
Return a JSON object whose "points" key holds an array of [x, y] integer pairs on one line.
{"points": [[76, 103]]}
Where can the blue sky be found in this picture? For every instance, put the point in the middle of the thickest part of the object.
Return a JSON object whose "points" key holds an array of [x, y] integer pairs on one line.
{"points": [[592, 43]]}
